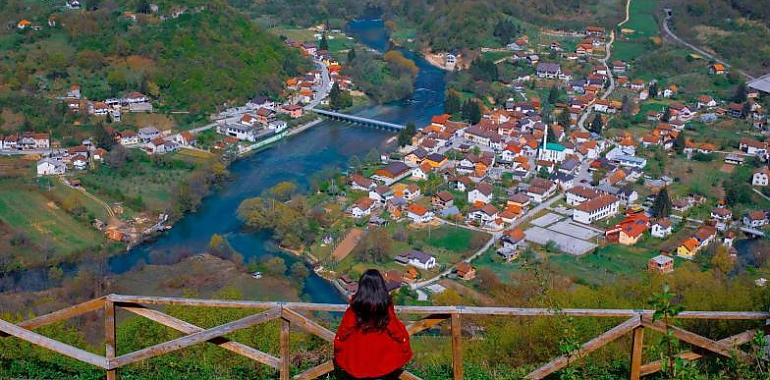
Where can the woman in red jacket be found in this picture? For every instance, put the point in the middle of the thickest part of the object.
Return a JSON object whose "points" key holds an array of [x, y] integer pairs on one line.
{"points": [[371, 342]]}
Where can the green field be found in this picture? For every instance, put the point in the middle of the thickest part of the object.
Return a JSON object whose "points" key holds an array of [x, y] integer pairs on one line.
{"points": [[604, 266], [143, 183], [26, 209], [644, 24], [642, 18]]}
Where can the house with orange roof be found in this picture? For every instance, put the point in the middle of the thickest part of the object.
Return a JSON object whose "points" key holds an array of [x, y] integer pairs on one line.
{"points": [[419, 214], [688, 248], [717, 69], [23, 24], [512, 242], [440, 120]]}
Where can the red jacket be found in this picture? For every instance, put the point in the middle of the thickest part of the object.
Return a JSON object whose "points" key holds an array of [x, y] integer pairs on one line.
{"points": [[371, 354]]}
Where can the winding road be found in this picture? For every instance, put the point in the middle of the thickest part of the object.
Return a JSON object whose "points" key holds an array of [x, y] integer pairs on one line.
{"points": [[669, 33]]}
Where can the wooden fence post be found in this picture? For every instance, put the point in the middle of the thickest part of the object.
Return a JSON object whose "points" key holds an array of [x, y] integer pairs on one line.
{"points": [[285, 330], [457, 353], [109, 337], [637, 347]]}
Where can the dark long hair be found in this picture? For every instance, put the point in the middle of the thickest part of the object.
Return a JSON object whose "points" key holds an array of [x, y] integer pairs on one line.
{"points": [[371, 302]]}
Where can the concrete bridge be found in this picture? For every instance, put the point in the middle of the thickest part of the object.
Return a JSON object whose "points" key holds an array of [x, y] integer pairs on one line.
{"points": [[360, 120]]}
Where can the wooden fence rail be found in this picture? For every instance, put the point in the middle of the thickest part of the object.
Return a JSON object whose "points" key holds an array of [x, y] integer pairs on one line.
{"points": [[290, 316]]}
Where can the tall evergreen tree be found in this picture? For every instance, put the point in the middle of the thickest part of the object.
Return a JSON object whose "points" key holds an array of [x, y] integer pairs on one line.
{"points": [[471, 111], [626, 108], [597, 125], [661, 207], [452, 103], [351, 54], [740, 94], [406, 134], [666, 115], [323, 44], [679, 143], [653, 90], [553, 95]]}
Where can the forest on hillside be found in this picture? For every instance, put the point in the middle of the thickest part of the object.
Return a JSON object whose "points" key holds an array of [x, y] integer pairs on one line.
{"points": [[441, 25], [209, 55], [736, 30]]}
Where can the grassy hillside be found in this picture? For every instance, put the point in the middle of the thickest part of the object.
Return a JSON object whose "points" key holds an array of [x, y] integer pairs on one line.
{"points": [[737, 30], [203, 58], [442, 25]]}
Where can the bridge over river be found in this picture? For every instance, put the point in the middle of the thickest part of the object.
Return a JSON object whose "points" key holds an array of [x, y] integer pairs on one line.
{"points": [[360, 120]]}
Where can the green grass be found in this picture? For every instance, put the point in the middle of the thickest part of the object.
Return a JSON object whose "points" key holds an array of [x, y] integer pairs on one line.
{"points": [[604, 266], [452, 239], [629, 50], [642, 18], [141, 182], [26, 209]]}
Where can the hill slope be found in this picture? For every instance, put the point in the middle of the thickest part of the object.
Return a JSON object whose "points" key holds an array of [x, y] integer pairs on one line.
{"points": [[204, 57]]}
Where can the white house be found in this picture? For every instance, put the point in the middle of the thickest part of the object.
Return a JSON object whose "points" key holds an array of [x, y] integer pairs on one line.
{"points": [[761, 177], [418, 259], [363, 207], [755, 219], [129, 138], [80, 162], [601, 207], [482, 193], [147, 134], [239, 131], [661, 228], [580, 194], [419, 214], [483, 214], [48, 166]]}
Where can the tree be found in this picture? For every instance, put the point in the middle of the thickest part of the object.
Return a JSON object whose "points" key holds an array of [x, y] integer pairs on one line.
{"points": [[275, 266], [351, 54], [661, 207], [339, 99], [653, 90], [680, 142], [721, 260], [596, 125], [471, 111], [117, 157], [323, 44], [627, 105], [299, 270], [505, 30], [102, 138], [740, 93], [375, 246], [406, 134], [563, 118], [452, 103], [543, 173], [553, 95], [283, 191]]}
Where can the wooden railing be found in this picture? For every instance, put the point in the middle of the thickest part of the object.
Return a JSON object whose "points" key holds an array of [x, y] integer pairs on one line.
{"points": [[289, 315]]}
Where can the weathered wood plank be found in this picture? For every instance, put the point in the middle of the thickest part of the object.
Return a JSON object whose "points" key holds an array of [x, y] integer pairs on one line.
{"points": [[735, 340], [53, 345], [110, 348], [285, 370], [457, 348], [695, 339], [316, 372], [637, 349], [588, 347], [426, 323], [409, 376], [189, 328], [61, 315], [428, 310], [308, 325], [192, 339]]}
